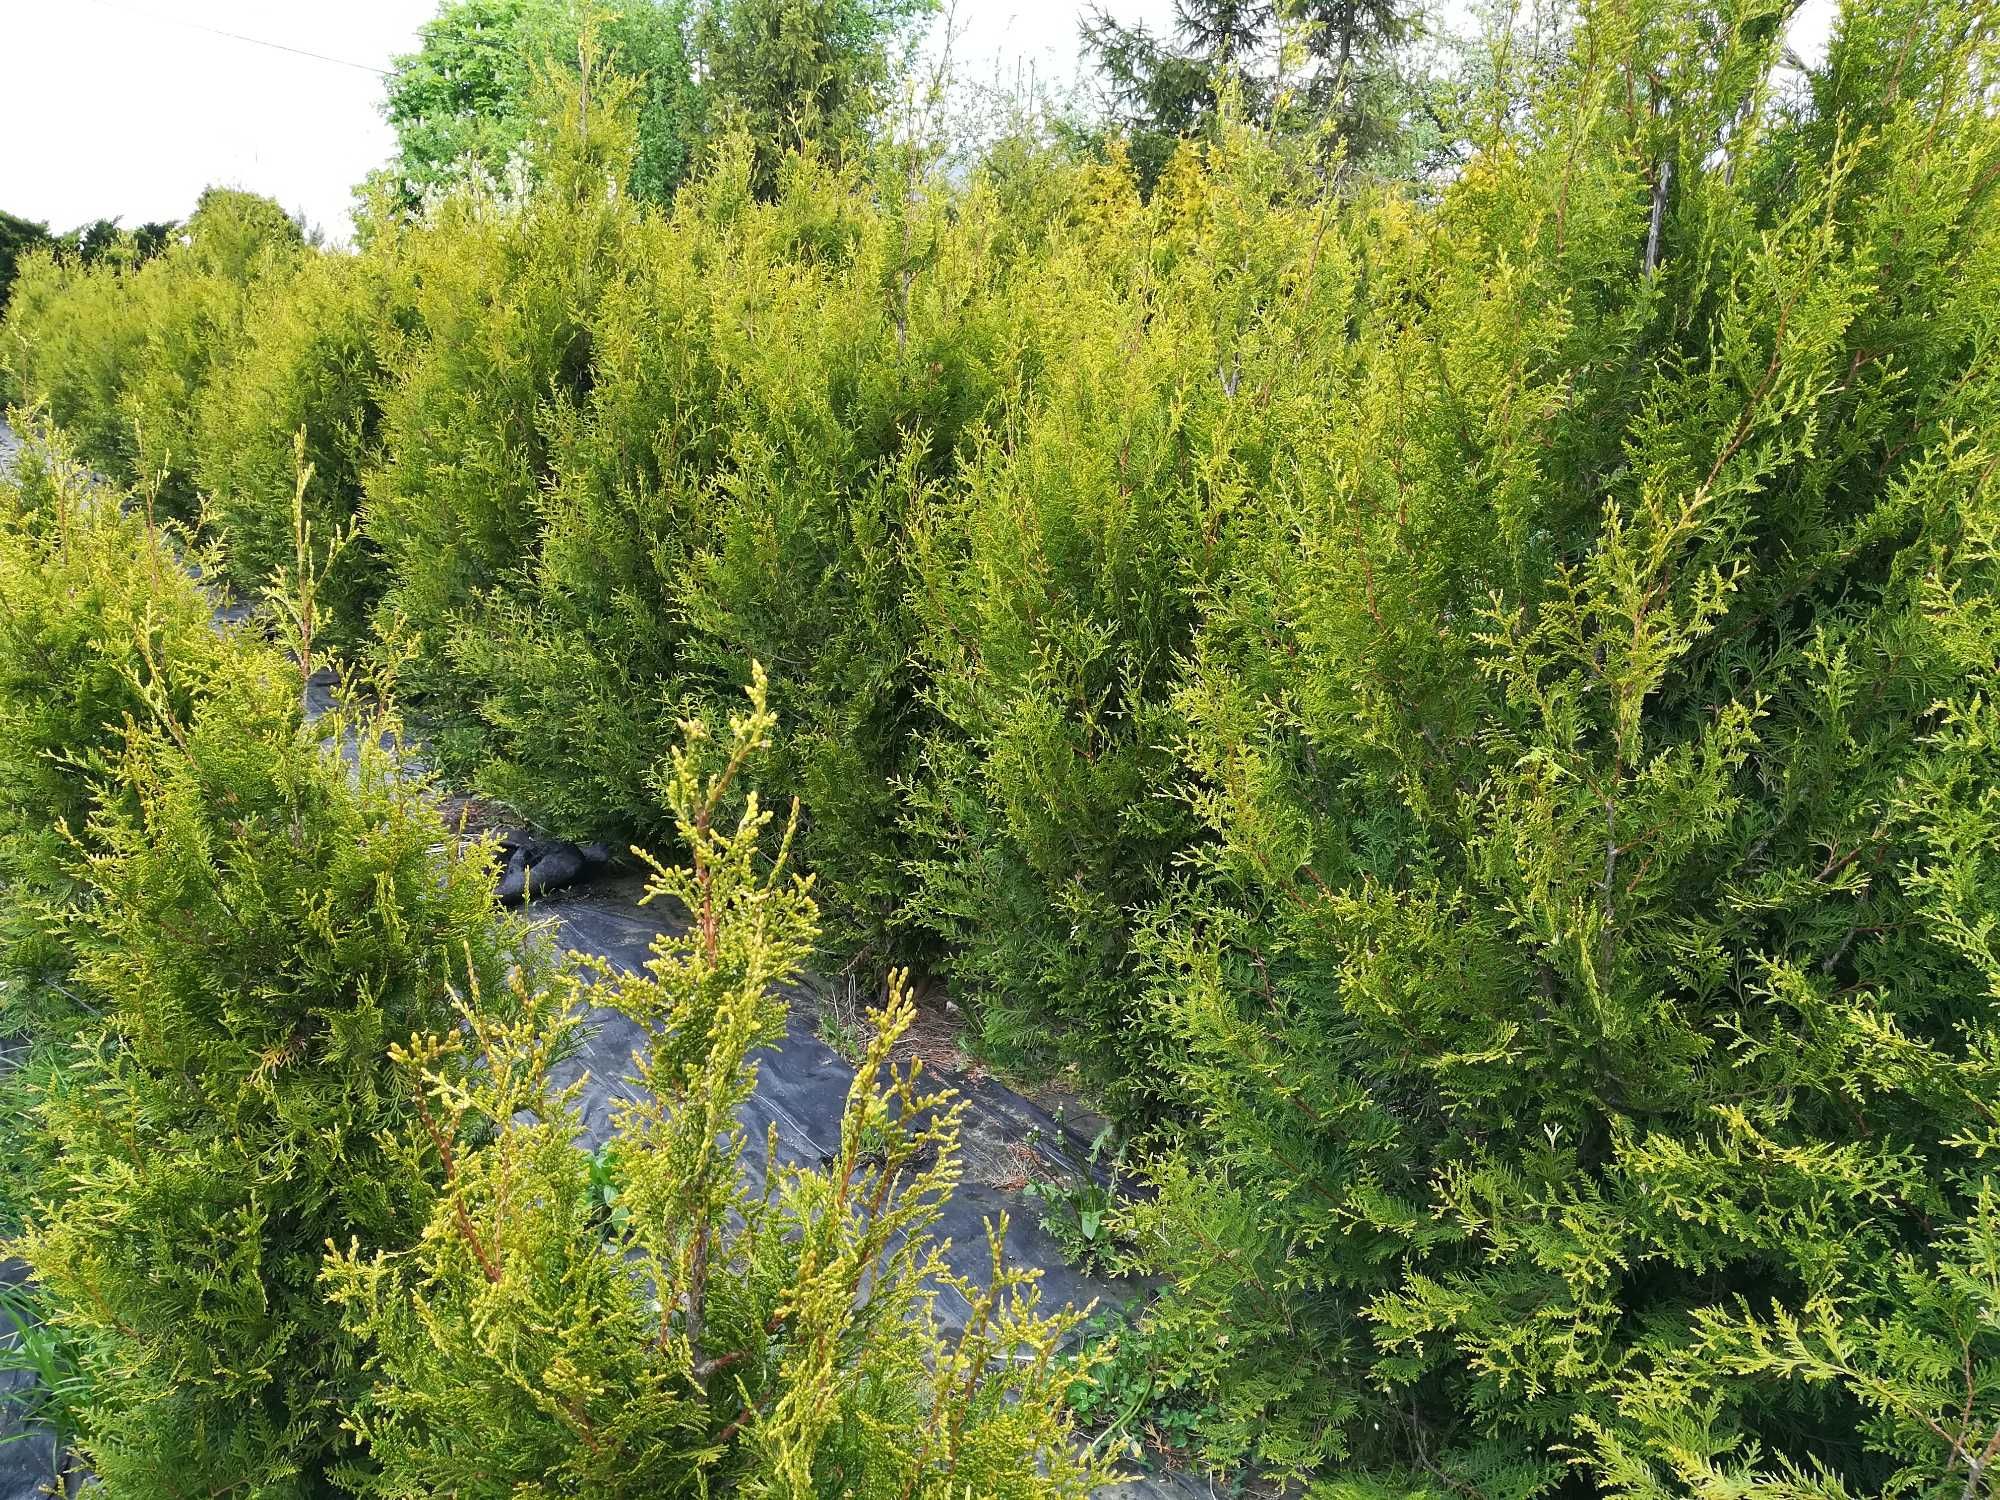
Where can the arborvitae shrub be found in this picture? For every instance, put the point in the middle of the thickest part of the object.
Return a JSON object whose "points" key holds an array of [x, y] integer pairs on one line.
{"points": [[195, 328], [119, 355], [97, 620], [1465, 705], [502, 293], [200, 290], [1587, 984], [771, 387], [1055, 590], [572, 674], [69, 339], [258, 916], [100, 626], [310, 361], [715, 1324], [876, 352], [237, 235], [887, 356]]}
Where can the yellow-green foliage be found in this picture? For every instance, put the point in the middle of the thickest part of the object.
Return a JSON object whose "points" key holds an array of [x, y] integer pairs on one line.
{"points": [[1579, 982], [264, 921], [72, 337], [1056, 591], [310, 361], [712, 1323], [239, 920], [245, 911], [721, 470], [97, 622], [119, 357], [1464, 707], [455, 504]]}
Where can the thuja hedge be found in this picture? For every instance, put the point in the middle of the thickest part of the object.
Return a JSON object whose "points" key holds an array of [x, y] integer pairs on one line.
{"points": [[230, 927], [704, 1322], [305, 1211], [120, 352], [1464, 707]]}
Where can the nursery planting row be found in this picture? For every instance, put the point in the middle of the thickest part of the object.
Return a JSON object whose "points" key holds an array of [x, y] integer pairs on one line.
{"points": [[1462, 709]]}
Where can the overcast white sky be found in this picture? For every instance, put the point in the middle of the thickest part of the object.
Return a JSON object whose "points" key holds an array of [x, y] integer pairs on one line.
{"points": [[129, 108], [132, 107]]}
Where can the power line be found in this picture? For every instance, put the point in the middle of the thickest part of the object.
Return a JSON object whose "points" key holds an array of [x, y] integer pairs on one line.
{"points": [[237, 36]]}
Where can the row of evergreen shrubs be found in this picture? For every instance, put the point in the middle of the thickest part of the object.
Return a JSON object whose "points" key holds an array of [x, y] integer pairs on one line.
{"points": [[296, 1188], [1466, 707]]}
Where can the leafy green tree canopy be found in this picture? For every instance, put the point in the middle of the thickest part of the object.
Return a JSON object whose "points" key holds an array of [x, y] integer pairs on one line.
{"points": [[788, 71], [465, 99]]}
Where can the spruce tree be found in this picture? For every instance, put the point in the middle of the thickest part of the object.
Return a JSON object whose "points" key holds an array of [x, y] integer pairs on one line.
{"points": [[1313, 68]]}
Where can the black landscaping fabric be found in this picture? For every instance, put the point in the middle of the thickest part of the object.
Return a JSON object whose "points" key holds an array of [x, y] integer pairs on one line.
{"points": [[802, 1087], [28, 1457]]}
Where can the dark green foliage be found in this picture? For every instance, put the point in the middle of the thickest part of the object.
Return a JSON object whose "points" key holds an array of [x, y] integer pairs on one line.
{"points": [[1164, 90], [17, 237], [1314, 68], [89, 243], [153, 238]]}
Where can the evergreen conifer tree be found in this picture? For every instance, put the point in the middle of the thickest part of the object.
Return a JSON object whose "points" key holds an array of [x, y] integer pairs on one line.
{"points": [[1311, 67], [243, 920], [100, 625], [712, 1323], [1587, 993]]}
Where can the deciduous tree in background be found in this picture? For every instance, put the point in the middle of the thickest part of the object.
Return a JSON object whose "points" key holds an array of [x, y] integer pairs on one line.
{"points": [[785, 71]]}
